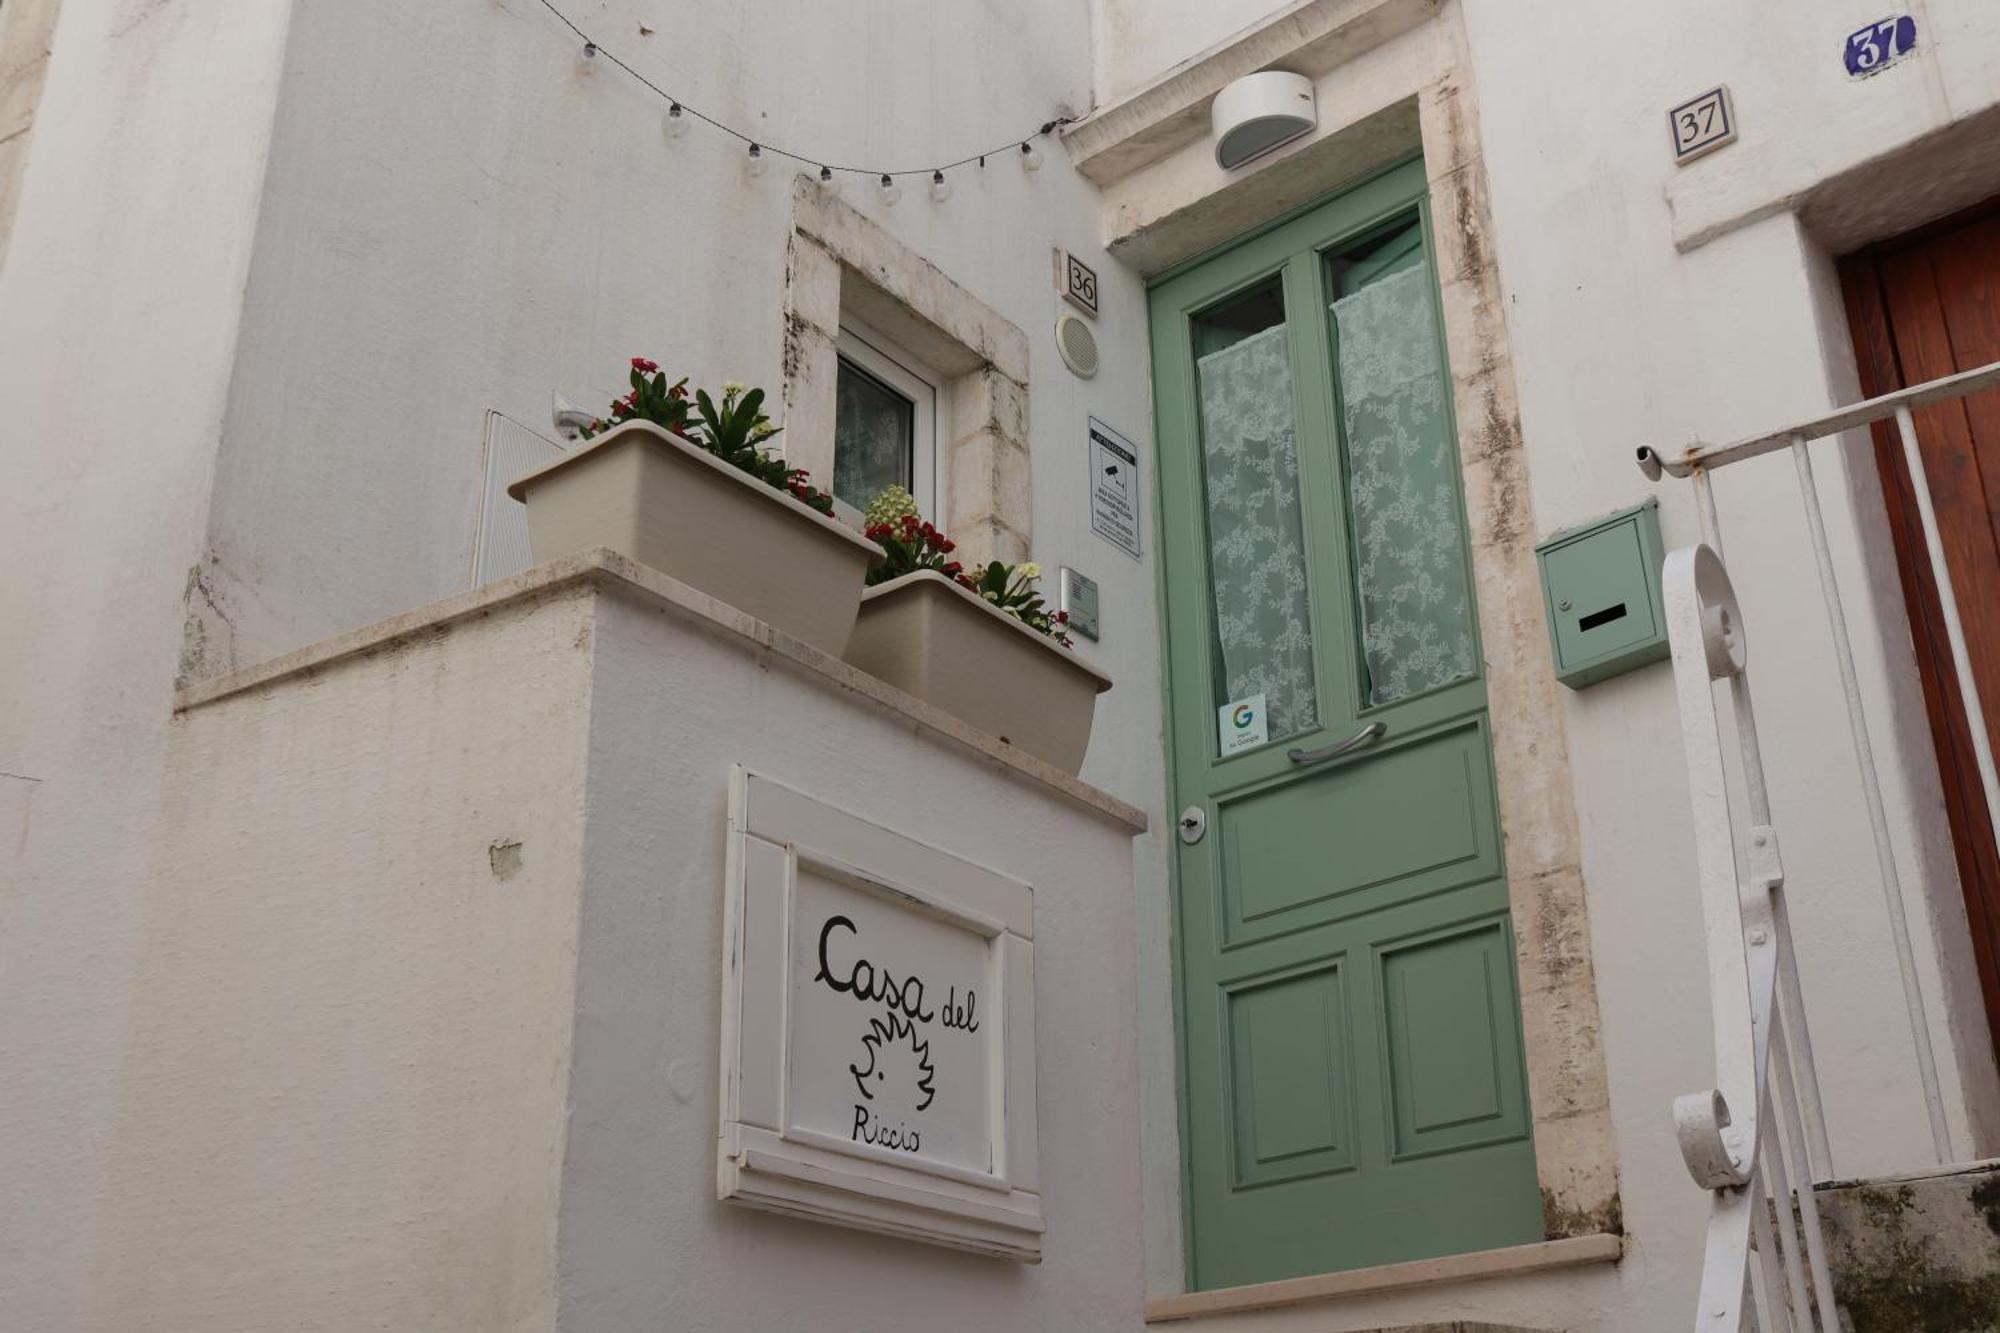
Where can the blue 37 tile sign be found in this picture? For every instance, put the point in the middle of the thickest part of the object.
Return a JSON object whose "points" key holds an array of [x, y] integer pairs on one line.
{"points": [[1880, 45]]}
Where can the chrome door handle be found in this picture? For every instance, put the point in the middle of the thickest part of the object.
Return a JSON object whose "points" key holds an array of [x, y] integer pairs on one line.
{"points": [[1361, 739]]}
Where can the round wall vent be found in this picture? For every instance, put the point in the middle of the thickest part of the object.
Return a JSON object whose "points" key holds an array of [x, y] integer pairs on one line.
{"points": [[1259, 112], [1077, 344]]}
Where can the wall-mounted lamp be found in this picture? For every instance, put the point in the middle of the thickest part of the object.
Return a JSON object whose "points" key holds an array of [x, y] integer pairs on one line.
{"points": [[1257, 113]]}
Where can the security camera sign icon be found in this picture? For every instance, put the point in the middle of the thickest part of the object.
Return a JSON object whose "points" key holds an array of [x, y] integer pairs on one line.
{"points": [[1241, 725]]}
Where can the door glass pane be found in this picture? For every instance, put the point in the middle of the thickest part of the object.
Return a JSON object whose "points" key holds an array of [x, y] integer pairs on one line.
{"points": [[874, 436], [1412, 592], [1256, 541]]}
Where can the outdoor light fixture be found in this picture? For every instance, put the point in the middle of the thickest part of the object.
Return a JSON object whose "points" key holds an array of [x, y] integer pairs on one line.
{"points": [[1031, 157], [677, 124], [1259, 112], [891, 191], [826, 175], [940, 187], [757, 164]]}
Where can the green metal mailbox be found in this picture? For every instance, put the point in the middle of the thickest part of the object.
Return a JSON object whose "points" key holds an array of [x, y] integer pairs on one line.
{"points": [[1601, 593]]}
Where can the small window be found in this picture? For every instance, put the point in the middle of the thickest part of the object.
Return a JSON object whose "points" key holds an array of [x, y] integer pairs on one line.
{"points": [[884, 426]]}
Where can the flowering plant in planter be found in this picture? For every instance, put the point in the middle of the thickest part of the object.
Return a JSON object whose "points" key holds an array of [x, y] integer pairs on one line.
{"points": [[912, 543], [733, 430]]}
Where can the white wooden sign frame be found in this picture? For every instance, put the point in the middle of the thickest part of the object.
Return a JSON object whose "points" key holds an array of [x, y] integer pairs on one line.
{"points": [[764, 1159]]}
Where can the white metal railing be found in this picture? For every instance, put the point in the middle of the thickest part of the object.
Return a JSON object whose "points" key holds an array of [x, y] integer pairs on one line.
{"points": [[1758, 1139]]}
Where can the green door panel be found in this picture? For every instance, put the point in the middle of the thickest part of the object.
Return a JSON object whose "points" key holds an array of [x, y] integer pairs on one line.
{"points": [[1353, 1089], [1337, 840]]}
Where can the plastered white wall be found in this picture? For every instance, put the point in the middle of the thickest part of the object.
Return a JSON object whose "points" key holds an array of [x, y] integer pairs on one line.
{"points": [[119, 299], [641, 1231], [1620, 339], [428, 976], [1139, 40], [26, 30], [343, 1093]]}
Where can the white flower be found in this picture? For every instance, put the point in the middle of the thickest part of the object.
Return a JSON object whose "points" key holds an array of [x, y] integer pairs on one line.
{"points": [[990, 596], [1030, 570], [763, 430], [733, 387]]}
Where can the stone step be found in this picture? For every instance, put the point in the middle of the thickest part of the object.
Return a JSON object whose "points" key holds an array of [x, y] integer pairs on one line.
{"points": [[1918, 1253]]}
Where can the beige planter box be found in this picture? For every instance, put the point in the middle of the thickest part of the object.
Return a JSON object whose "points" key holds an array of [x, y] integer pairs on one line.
{"points": [[925, 634], [664, 502]]}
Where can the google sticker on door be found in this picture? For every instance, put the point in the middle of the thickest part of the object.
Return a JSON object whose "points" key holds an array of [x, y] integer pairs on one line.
{"points": [[1241, 724]]}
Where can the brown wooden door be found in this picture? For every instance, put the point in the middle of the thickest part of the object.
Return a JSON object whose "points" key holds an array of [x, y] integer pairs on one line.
{"points": [[1924, 305]]}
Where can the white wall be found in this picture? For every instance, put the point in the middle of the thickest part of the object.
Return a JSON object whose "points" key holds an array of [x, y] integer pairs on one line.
{"points": [[1139, 40], [343, 1096], [26, 30], [641, 1232], [461, 216], [1619, 339], [428, 987], [119, 299]]}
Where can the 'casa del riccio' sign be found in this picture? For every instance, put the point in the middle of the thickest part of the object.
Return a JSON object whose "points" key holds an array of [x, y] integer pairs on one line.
{"points": [[878, 1029]]}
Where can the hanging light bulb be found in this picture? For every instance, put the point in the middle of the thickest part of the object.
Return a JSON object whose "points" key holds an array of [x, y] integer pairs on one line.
{"points": [[940, 187], [1031, 158], [826, 175], [677, 124], [590, 50], [891, 191], [757, 164]]}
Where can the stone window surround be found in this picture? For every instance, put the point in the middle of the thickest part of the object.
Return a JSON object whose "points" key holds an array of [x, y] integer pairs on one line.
{"points": [[1159, 211], [840, 264]]}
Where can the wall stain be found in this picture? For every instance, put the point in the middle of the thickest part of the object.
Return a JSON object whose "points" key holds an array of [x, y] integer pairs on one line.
{"points": [[1890, 1277], [1986, 1198], [1560, 1221], [505, 859], [201, 655]]}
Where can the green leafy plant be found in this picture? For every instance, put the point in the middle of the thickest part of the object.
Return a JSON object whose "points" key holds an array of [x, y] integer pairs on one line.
{"points": [[911, 543], [734, 430]]}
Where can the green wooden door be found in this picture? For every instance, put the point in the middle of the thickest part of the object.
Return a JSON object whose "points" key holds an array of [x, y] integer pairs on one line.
{"points": [[1353, 1088]]}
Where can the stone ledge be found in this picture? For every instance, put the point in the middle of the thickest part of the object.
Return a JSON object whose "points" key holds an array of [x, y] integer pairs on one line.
{"points": [[1510, 1262], [1309, 37], [604, 570]]}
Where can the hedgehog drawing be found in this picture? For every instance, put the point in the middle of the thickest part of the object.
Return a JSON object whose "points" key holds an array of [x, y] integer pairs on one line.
{"points": [[887, 1034]]}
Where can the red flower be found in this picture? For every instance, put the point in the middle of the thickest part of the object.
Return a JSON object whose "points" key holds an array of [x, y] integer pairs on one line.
{"points": [[954, 569], [1062, 617], [641, 364], [947, 546], [678, 391]]}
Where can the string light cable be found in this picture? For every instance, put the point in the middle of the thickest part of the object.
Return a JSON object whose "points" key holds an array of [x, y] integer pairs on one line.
{"points": [[760, 151]]}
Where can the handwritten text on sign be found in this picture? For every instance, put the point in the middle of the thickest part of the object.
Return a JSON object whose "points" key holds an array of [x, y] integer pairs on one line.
{"points": [[889, 1044]]}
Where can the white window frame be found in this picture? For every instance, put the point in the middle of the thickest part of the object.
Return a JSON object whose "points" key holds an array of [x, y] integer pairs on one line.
{"points": [[881, 358]]}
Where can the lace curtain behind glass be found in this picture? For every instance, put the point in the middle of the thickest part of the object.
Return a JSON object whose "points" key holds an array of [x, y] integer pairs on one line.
{"points": [[1257, 561], [1402, 488]]}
